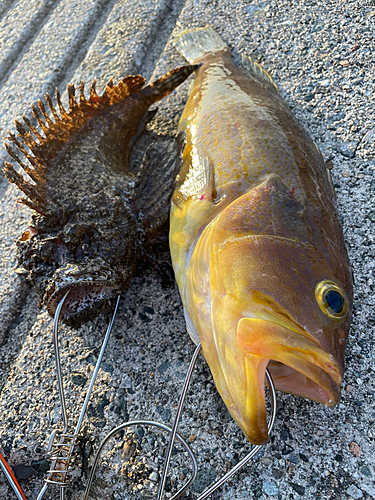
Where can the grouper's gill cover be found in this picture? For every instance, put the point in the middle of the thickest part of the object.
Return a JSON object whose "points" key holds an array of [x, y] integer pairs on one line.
{"points": [[256, 245], [96, 214]]}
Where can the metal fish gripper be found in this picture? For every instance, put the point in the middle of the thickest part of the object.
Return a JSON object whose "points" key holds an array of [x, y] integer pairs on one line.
{"points": [[61, 443], [173, 435]]}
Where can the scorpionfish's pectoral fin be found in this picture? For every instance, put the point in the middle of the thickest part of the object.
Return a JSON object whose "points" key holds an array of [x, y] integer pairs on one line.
{"points": [[57, 127]]}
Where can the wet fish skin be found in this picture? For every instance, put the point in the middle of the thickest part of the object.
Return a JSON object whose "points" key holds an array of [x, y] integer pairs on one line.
{"points": [[89, 227], [256, 244]]}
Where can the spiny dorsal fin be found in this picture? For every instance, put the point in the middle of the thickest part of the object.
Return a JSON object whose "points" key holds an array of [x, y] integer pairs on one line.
{"points": [[44, 147]]}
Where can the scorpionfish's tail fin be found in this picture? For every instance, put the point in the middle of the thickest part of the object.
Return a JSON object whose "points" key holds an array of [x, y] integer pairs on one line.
{"points": [[167, 83]]}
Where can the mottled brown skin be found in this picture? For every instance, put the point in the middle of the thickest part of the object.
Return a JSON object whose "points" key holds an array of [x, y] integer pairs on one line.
{"points": [[96, 213]]}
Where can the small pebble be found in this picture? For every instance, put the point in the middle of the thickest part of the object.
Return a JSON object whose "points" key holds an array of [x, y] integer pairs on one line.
{"points": [[270, 488], [366, 471], [23, 471], [154, 477], [309, 97], [78, 378], [298, 488], [355, 449], [41, 466], [354, 492]]}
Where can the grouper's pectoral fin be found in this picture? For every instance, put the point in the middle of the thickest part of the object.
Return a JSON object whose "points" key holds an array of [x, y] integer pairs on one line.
{"points": [[194, 181]]}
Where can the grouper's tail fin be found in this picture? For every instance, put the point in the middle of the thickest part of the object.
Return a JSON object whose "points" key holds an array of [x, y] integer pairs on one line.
{"points": [[195, 43]]}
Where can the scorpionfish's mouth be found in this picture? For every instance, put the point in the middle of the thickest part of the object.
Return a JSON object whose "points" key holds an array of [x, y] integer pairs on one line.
{"points": [[90, 292]]}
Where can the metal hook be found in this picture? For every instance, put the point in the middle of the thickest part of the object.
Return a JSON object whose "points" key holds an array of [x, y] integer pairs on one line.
{"points": [[176, 421], [62, 451], [252, 453], [153, 424], [174, 434]]}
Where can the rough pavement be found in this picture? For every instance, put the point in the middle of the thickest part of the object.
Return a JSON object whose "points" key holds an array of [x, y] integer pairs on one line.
{"points": [[321, 55]]}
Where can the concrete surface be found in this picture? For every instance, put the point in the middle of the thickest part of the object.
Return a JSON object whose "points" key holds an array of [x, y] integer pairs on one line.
{"points": [[321, 55]]}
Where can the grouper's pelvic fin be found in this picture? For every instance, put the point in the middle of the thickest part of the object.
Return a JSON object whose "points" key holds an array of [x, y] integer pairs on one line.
{"points": [[195, 43]]}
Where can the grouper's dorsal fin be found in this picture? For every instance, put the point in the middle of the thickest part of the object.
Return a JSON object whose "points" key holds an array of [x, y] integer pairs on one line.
{"points": [[257, 71], [156, 181], [40, 145]]}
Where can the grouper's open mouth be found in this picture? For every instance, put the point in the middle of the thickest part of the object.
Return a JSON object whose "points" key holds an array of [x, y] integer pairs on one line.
{"points": [[297, 362], [88, 295]]}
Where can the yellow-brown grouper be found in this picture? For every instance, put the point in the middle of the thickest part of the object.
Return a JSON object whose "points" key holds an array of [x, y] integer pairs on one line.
{"points": [[256, 243]]}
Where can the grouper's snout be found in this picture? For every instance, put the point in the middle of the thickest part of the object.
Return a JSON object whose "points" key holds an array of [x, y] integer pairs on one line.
{"points": [[299, 365]]}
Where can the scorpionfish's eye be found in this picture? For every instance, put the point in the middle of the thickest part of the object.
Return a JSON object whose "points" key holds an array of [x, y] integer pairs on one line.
{"points": [[331, 299]]}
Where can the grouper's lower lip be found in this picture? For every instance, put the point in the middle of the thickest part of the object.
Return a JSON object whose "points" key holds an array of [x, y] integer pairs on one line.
{"points": [[297, 363]]}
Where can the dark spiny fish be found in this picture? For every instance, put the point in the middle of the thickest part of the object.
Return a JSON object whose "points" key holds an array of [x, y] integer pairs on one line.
{"points": [[94, 214]]}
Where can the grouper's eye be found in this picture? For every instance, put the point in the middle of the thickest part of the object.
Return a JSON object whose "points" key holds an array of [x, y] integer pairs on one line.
{"points": [[331, 299]]}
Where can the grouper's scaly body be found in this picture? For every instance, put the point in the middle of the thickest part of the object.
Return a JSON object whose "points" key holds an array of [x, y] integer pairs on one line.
{"points": [[256, 244]]}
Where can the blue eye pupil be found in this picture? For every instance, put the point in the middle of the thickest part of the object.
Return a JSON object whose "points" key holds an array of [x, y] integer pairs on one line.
{"points": [[335, 301]]}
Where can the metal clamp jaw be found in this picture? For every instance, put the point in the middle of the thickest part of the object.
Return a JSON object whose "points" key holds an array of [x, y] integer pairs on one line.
{"points": [[174, 435], [60, 454], [61, 443]]}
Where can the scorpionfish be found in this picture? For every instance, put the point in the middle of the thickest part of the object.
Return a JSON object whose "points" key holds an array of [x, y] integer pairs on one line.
{"points": [[94, 213], [256, 244]]}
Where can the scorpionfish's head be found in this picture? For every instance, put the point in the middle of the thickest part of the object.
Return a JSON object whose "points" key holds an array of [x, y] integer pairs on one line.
{"points": [[92, 256]]}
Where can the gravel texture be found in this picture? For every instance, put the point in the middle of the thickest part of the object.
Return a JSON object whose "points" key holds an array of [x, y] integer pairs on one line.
{"points": [[321, 54]]}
